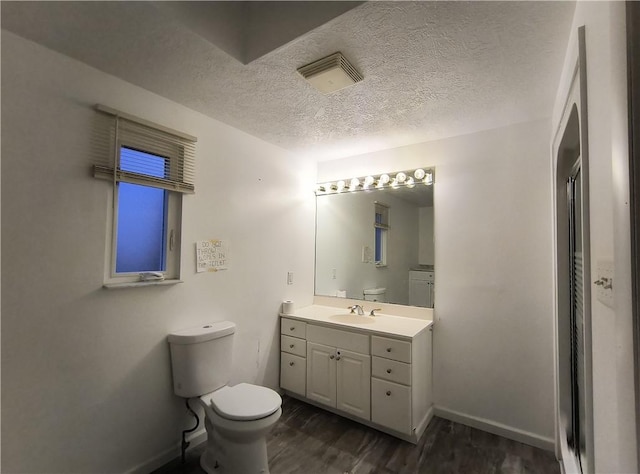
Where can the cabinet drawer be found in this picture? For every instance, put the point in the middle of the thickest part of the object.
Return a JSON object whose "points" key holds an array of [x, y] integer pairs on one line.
{"points": [[348, 340], [293, 327], [388, 348], [391, 405], [293, 373], [391, 370], [293, 345]]}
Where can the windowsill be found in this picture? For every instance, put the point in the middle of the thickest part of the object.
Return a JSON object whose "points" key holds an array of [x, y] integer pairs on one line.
{"points": [[139, 284], [381, 265]]}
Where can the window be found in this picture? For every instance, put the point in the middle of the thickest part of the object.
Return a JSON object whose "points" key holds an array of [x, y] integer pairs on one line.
{"points": [[381, 229], [151, 167], [141, 220]]}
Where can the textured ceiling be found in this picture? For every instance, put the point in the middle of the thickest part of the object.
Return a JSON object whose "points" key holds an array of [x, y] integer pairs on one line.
{"points": [[431, 69]]}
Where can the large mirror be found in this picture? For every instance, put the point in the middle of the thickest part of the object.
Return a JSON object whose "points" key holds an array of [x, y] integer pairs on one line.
{"points": [[375, 242]]}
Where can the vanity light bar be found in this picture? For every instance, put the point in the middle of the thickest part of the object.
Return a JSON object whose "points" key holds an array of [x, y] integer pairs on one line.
{"points": [[407, 179]]}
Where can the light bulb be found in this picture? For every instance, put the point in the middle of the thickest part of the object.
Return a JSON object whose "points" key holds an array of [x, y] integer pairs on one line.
{"points": [[401, 177], [384, 178], [419, 174], [355, 182], [368, 181], [341, 184]]}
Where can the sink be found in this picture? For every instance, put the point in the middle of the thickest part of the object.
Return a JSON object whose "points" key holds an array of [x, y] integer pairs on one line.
{"points": [[352, 318]]}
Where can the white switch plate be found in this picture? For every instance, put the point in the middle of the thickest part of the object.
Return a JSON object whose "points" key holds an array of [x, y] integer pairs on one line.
{"points": [[289, 278], [604, 282]]}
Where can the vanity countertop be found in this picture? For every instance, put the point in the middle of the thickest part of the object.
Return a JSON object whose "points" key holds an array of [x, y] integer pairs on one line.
{"points": [[381, 323]]}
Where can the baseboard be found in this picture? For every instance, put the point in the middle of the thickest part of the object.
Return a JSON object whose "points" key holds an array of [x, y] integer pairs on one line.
{"points": [[168, 455], [497, 428], [422, 426]]}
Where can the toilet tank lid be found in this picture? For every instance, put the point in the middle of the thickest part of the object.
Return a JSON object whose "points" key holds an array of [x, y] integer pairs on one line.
{"points": [[374, 291], [202, 333]]}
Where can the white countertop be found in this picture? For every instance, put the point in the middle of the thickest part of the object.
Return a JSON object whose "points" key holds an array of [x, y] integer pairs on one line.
{"points": [[385, 324]]}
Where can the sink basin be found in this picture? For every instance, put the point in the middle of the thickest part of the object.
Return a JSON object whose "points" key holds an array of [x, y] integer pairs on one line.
{"points": [[352, 319]]}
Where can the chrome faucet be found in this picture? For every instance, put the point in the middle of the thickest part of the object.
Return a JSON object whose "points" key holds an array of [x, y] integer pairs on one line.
{"points": [[358, 308]]}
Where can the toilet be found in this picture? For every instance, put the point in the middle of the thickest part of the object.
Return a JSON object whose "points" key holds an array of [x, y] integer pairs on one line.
{"points": [[238, 418], [375, 294]]}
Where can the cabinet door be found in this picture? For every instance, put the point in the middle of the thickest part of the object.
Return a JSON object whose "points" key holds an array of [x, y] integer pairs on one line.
{"points": [[354, 383], [293, 373], [321, 373], [391, 405], [419, 293]]}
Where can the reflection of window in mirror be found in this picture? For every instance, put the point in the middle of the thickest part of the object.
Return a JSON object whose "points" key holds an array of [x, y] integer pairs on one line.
{"points": [[381, 227]]}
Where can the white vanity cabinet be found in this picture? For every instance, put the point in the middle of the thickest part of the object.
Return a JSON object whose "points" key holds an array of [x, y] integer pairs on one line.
{"points": [[339, 370], [380, 378], [293, 353], [398, 388]]}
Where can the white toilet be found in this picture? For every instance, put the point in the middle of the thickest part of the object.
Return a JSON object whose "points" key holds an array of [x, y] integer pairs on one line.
{"points": [[375, 294], [237, 418]]}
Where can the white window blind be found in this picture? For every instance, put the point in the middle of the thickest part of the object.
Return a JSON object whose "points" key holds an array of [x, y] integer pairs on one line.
{"points": [[118, 132]]}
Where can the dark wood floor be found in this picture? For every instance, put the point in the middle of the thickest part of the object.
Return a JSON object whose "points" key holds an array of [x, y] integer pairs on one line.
{"points": [[309, 440]]}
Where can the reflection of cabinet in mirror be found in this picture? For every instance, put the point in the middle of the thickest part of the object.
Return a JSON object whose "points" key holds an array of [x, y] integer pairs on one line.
{"points": [[421, 288]]}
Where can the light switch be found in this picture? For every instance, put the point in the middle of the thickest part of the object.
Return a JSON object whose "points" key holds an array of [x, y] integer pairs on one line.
{"points": [[289, 278], [604, 282]]}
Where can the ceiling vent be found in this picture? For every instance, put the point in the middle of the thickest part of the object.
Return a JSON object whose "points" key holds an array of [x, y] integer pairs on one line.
{"points": [[331, 73]]}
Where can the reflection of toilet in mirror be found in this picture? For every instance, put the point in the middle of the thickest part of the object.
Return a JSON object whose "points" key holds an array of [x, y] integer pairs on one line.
{"points": [[375, 294], [237, 418]]}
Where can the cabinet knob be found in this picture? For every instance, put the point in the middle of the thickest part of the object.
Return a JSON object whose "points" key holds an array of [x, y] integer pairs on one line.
{"points": [[292, 328], [388, 371], [388, 349], [388, 393], [291, 363], [332, 356], [291, 346], [338, 358]]}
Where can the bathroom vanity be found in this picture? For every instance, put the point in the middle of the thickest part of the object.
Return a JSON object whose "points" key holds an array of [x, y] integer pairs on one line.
{"points": [[372, 369]]}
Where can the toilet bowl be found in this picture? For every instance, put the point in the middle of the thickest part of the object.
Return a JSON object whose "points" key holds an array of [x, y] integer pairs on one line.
{"points": [[237, 420]]}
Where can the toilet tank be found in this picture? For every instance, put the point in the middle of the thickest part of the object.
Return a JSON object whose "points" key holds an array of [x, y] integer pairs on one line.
{"points": [[201, 358]]}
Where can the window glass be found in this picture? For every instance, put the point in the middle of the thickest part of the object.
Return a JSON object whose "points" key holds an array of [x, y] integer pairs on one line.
{"points": [[378, 238], [142, 216], [381, 227], [144, 163]]}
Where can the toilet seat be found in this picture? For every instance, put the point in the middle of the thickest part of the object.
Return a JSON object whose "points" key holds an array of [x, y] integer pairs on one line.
{"points": [[245, 402]]}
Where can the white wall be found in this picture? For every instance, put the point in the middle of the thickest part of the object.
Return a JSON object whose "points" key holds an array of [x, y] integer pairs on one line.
{"points": [[612, 344], [493, 338], [86, 371]]}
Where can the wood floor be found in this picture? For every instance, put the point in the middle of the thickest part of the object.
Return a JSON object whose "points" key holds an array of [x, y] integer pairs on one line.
{"points": [[309, 440]]}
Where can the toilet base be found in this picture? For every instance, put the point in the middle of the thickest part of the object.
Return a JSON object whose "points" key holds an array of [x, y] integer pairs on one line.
{"points": [[229, 456], [235, 459]]}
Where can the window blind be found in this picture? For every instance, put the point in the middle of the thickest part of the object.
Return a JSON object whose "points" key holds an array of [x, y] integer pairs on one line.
{"points": [[133, 150]]}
